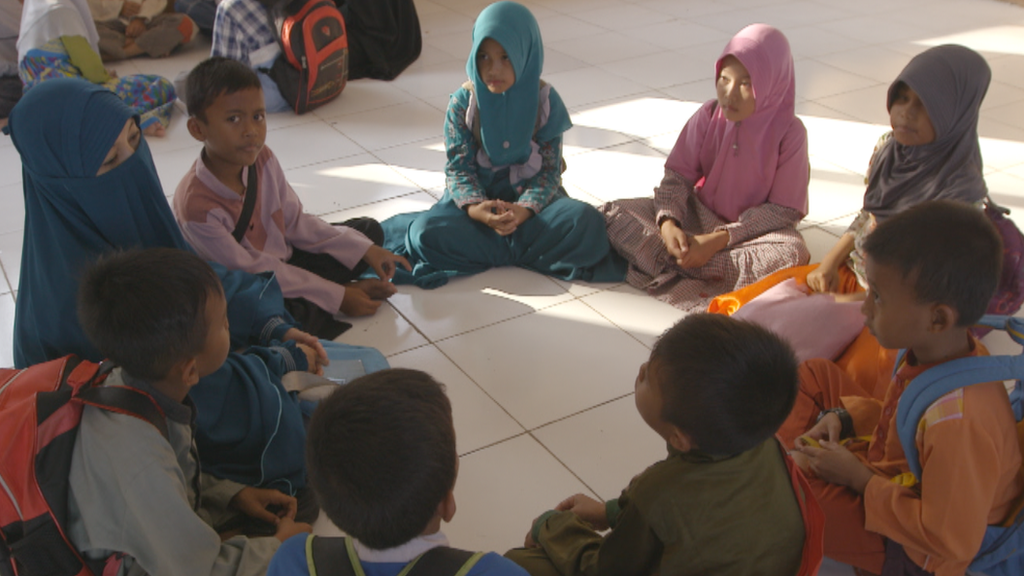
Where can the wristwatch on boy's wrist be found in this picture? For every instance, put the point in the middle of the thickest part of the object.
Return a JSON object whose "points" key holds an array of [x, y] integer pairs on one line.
{"points": [[844, 418]]}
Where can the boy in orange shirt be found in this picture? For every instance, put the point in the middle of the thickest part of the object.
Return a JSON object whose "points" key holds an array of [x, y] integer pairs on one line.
{"points": [[931, 271]]}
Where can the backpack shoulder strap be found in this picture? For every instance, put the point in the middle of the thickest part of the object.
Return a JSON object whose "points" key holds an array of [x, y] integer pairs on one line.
{"points": [[940, 380], [247, 206], [443, 561], [332, 556], [128, 401]]}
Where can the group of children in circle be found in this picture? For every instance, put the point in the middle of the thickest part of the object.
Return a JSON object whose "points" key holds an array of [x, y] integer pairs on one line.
{"points": [[380, 454]]}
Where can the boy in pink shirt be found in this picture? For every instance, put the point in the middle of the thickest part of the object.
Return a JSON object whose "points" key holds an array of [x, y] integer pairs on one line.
{"points": [[317, 264]]}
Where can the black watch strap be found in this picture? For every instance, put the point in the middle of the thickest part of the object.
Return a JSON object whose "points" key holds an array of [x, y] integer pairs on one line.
{"points": [[844, 418]]}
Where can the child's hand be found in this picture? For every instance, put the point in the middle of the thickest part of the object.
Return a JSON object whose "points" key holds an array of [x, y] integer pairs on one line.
{"points": [[823, 279], [495, 214], [313, 359], [129, 9], [675, 240], [589, 510], [253, 502], [828, 428], [307, 339], [287, 528], [363, 297], [701, 248], [384, 262], [529, 542], [519, 213], [135, 28], [834, 463]]}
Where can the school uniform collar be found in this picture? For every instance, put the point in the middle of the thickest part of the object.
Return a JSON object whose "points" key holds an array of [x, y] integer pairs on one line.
{"points": [[179, 412], [697, 456], [211, 181], [404, 553]]}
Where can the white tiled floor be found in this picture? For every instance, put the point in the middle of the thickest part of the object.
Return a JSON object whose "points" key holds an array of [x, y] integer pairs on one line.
{"points": [[540, 372]]}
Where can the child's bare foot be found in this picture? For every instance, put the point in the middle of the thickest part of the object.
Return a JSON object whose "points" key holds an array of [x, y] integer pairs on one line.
{"points": [[155, 129], [3, 122], [131, 49]]}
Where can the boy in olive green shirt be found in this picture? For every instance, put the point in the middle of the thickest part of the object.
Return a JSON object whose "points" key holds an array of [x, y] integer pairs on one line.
{"points": [[722, 502]]}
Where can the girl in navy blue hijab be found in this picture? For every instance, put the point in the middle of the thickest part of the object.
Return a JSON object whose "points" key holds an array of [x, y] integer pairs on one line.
{"points": [[91, 187]]}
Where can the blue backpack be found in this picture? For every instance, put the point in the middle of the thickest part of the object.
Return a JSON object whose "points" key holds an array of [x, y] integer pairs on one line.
{"points": [[1002, 549]]}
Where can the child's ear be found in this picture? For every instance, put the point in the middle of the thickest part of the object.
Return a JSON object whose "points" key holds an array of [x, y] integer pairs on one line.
{"points": [[944, 317], [680, 440], [190, 371], [446, 509], [196, 129]]}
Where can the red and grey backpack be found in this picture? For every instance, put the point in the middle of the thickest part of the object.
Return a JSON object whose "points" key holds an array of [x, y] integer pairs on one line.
{"points": [[312, 69], [40, 412]]}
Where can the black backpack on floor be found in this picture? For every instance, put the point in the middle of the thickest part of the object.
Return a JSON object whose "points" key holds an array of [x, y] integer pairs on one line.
{"points": [[384, 37]]}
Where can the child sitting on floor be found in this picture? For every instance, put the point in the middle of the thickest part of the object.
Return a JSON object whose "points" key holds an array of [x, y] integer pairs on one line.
{"points": [[58, 39], [723, 501], [316, 264], [734, 186], [131, 489], [382, 462], [128, 28], [504, 204], [932, 152], [931, 271]]}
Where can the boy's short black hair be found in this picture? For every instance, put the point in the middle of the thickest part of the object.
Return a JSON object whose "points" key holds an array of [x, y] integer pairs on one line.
{"points": [[949, 250], [380, 453], [215, 76], [146, 309], [727, 383]]}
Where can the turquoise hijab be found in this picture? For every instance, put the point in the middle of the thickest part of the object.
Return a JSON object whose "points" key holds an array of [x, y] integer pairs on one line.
{"points": [[507, 120]]}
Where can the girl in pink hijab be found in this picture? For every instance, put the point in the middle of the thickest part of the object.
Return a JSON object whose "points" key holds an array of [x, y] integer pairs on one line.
{"points": [[735, 185]]}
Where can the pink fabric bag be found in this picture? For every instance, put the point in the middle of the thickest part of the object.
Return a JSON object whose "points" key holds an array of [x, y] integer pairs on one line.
{"points": [[815, 325]]}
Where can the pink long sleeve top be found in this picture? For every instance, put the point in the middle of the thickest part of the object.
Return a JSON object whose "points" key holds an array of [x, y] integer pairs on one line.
{"points": [[207, 211]]}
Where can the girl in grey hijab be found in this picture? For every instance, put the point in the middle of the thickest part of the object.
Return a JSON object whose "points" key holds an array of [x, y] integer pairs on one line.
{"points": [[931, 154]]}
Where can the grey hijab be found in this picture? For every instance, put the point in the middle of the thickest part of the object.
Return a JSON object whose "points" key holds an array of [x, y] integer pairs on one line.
{"points": [[951, 81]]}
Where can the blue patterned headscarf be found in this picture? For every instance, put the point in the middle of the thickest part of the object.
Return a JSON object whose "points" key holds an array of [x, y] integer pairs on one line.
{"points": [[507, 120], [63, 129]]}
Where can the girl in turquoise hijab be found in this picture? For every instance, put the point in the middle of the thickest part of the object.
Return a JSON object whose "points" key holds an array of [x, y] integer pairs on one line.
{"points": [[504, 204], [82, 200]]}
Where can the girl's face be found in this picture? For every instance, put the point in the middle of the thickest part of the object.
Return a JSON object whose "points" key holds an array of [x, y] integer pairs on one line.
{"points": [[126, 144], [735, 92], [494, 67], [911, 125]]}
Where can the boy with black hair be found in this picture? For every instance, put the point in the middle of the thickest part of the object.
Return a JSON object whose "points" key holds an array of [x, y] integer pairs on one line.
{"points": [[931, 272], [160, 315], [382, 462], [236, 208], [723, 501]]}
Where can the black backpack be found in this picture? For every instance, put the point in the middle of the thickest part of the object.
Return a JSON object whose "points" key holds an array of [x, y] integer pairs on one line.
{"points": [[384, 39], [312, 68]]}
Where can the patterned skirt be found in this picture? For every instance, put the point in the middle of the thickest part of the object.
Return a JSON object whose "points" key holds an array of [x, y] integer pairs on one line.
{"points": [[633, 233], [151, 97]]}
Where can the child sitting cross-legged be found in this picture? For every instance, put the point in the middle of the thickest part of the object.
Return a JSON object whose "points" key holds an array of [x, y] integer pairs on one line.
{"points": [[382, 461], [160, 315], [723, 501], [931, 271], [316, 264]]}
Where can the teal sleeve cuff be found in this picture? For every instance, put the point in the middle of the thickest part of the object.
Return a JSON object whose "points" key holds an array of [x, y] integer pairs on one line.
{"points": [[612, 511], [540, 522]]}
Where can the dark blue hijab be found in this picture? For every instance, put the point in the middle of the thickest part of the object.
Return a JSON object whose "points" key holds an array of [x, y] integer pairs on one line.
{"points": [[63, 130]]}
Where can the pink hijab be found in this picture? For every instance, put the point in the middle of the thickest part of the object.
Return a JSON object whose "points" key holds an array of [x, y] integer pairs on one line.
{"points": [[739, 165]]}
